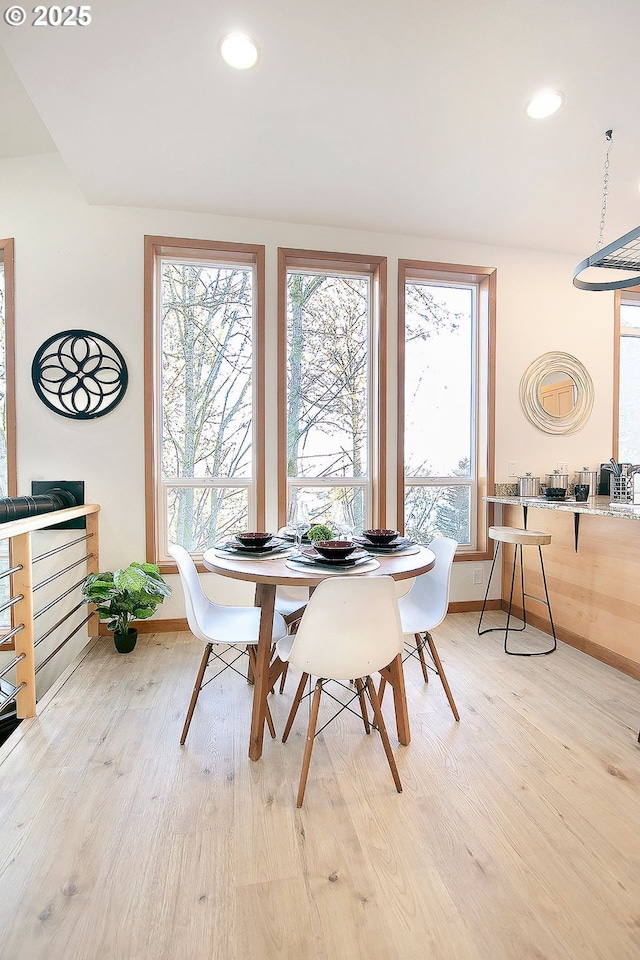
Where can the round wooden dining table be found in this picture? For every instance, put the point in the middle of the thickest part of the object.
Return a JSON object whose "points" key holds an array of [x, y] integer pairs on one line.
{"points": [[267, 574]]}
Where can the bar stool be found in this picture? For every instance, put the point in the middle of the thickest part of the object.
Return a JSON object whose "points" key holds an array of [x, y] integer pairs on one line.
{"points": [[520, 538]]}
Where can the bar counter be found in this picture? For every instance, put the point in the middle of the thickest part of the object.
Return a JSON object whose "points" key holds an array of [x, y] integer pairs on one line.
{"points": [[595, 506], [593, 573]]}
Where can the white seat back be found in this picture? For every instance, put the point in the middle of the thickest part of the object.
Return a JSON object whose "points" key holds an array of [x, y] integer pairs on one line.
{"points": [[195, 600], [430, 591], [350, 628], [291, 599]]}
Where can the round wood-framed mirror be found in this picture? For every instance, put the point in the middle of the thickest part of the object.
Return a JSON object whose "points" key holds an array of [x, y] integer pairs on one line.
{"points": [[556, 393]]}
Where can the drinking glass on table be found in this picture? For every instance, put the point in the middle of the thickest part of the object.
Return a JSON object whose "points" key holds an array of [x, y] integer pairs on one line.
{"points": [[298, 519], [342, 518]]}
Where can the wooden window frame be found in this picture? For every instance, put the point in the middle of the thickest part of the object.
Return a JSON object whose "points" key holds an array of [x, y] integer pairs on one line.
{"points": [[486, 280], [293, 258], [155, 248], [7, 257], [620, 296]]}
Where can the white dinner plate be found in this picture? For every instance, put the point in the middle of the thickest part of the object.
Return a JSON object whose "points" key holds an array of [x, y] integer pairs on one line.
{"points": [[314, 556], [360, 566]]}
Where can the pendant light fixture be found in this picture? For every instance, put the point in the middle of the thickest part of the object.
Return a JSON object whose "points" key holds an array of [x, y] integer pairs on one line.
{"points": [[622, 254]]}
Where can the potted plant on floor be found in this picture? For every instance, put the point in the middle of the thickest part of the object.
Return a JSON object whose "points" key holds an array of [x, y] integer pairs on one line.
{"points": [[131, 593]]}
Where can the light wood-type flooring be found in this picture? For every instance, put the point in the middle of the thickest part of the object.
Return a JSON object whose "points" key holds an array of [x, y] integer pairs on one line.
{"points": [[517, 835]]}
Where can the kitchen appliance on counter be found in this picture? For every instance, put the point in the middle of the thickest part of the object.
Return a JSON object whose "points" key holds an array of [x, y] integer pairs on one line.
{"points": [[605, 479], [557, 479], [528, 486], [590, 477], [555, 493]]}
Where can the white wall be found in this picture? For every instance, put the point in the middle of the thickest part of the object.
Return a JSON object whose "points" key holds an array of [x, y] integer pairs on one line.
{"points": [[82, 266]]}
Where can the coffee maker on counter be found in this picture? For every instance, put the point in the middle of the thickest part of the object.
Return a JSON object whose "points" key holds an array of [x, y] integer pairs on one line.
{"points": [[605, 479]]}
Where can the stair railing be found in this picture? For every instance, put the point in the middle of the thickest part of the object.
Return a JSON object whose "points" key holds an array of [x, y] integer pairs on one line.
{"points": [[21, 600]]}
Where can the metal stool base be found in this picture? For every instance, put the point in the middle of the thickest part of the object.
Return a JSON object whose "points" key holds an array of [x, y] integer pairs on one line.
{"points": [[506, 628]]}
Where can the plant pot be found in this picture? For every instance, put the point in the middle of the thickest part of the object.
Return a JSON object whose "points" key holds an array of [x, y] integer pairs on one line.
{"points": [[125, 642]]}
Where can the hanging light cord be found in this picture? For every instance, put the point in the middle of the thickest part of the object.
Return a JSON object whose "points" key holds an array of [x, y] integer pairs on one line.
{"points": [[605, 187]]}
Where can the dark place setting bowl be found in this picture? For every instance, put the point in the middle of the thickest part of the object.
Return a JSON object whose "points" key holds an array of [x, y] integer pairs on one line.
{"points": [[555, 493], [256, 540], [335, 549], [380, 537]]}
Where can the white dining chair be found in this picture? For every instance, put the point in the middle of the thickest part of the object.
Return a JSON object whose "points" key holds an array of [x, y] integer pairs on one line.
{"points": [[214, 624], [350, 629], [290, 604], [423, 608]]}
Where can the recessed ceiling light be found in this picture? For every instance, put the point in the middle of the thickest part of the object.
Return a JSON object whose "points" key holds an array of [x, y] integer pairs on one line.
{"points": [[239, 51], [544, 104]]}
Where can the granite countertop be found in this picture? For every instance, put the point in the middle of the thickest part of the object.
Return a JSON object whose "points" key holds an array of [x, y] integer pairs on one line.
{"points": [[597, 506]]}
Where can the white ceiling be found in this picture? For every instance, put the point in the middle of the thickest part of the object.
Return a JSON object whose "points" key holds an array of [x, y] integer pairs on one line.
{"points": [[405, 117], [21, 130]]}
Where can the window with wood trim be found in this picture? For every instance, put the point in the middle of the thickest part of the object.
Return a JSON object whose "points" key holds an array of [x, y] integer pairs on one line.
{"points": [[445, 386], [332, 312], [7, 372], [204, 316], [8, 469], [626, 429]]}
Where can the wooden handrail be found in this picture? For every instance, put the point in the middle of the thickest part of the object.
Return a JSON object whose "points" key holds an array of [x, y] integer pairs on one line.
{"points": [[19, 532], [14, 528]]}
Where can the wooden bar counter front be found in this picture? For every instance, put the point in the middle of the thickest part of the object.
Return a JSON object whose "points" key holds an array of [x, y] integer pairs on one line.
{"points": [[267, 574], [593, 575]]}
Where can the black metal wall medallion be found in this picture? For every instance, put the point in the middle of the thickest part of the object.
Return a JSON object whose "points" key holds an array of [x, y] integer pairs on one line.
{"points": [[79, 374]]}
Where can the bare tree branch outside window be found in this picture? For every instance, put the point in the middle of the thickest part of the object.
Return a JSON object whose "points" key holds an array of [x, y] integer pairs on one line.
{"points": [[206, 339], [438, 410], [328, 386]]}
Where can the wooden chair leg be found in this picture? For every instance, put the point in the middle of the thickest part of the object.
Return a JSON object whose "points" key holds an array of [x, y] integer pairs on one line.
{"points": [[308, 747], [377, 713], [196, 691], [441, 674], [276, 668], [381, 689], [269, 719], [420, 649], [294, 706], [292, 627], [251, 650], [363, 705]]}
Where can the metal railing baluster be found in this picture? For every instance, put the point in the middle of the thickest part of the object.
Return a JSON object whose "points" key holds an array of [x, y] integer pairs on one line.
{"points": [[19, 532]]}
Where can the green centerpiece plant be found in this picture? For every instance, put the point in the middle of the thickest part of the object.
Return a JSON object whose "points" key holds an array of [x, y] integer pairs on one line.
{"points": [[131, 593], [320, 532]]}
